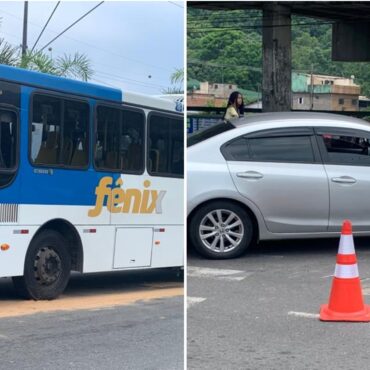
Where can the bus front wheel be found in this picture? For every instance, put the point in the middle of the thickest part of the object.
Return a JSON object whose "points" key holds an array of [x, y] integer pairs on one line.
{"points": [[47, 267]]}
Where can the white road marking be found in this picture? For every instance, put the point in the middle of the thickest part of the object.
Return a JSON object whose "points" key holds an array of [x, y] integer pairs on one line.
{"points": [[232, 278], [304, 314], [326, 276], [220, 274], [366, 290], [191, 301]]}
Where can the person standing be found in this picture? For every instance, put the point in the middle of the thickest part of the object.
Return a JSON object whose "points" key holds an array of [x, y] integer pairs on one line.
{"points": [[235, 106]]}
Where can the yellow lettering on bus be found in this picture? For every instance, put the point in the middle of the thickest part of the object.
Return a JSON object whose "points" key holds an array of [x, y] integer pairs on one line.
{"points": [[120, 200]]}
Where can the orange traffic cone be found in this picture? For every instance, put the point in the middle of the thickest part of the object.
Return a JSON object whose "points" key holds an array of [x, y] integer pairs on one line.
{"points": [[346, 302]]}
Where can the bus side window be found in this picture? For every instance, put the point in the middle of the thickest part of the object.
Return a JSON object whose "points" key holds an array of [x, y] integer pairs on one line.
{"points": [[75, 139], [48, 147], [132, 159], [177, 155], [8, 146], [106, 139], [45, 135], [119, 140], [7, 140], [48, 150], [165, 146]]}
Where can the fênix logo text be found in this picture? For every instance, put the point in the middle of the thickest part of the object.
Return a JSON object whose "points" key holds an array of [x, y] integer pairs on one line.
{"points": [[120, 200]]}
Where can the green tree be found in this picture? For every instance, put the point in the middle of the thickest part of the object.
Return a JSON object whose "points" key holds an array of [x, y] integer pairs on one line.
{"points": [[177, 79], [8, 53], [77, 66], [233, 57], [177, 76], [226, 46]]}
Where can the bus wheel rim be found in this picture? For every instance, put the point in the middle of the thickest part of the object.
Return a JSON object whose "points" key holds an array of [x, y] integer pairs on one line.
{"points": [[47, 266]]}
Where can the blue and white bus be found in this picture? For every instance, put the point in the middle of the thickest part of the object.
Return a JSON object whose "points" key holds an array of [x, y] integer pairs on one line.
{"points": [[91, 180]]}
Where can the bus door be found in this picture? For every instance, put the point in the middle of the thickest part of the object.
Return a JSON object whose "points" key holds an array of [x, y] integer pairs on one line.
{"points": [[9, 153], [120, 143]]}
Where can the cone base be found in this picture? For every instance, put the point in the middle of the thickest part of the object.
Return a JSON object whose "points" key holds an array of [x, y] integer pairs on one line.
{"points": [[329, 315]]}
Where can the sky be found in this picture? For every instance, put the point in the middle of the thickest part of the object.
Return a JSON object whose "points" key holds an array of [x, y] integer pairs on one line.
{"points": [[132, 45]]}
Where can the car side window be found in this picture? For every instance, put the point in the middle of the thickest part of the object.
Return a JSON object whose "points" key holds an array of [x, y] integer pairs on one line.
{"points": [[345, 148], [294, 149], [282, 149], [236, 150]]}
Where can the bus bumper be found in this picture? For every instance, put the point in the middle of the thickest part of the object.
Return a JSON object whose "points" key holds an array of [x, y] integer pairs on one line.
{"points": [[14, 242]]}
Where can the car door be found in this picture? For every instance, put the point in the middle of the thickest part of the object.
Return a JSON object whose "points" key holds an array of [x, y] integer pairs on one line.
{"points": [[346, 157], [281, 172]]}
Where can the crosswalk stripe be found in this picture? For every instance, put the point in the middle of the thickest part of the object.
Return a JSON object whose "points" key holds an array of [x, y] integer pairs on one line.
{"points": [[191, 301], [304, 314], [214, 273]]}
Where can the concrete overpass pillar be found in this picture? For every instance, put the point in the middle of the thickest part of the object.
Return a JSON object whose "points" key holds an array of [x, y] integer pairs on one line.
{"points": [[277, 58]]}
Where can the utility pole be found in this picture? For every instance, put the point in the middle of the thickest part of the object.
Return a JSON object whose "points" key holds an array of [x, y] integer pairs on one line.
{"points": [[25, 19], [311, 92]]}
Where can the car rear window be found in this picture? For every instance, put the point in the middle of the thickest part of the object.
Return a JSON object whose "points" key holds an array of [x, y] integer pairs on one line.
{"points": [[270, 149], [209, 132]]}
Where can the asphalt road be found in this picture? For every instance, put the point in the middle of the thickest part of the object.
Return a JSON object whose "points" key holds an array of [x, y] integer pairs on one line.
{"points": [[261, 311], [142, 329]]}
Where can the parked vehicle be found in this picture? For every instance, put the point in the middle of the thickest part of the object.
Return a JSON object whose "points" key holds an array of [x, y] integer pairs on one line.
{"points": [[91, 180], [277, 176]]}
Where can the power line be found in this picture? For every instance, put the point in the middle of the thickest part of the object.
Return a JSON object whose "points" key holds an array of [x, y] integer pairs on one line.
{"points": [[94, 46], [229, 17], [235, 28], [11, 35], [47, 22], [106, 83], [115, 76], [102, 82], [246, 18], [252, 13], [217, 65], [178, 5], [78, 20], [243, 19], [125, 79]]}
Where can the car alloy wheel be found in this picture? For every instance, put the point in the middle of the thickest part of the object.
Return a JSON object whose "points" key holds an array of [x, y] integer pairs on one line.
{"points": [[221, 230]]}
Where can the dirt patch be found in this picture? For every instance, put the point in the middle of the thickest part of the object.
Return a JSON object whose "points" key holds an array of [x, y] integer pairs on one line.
{"points": [[11, 308]]}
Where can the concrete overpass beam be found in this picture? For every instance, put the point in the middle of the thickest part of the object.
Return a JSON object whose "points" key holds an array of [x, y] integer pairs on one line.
{"points": [[351, 42], [277, 58]]}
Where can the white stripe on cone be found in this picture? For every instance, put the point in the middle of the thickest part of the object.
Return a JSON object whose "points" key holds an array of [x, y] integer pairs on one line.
{"points": [[346, 245], [346, 271]]}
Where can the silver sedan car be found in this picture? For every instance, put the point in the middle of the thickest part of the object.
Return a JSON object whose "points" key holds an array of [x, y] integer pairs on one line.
{"points": [[277, 176]]}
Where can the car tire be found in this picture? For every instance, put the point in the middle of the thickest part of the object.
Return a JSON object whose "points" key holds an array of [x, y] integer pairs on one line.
{"points": [[47, 267], [221, 230]]}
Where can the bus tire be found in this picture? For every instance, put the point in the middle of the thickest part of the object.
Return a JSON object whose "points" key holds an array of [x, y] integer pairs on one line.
{"points": [[47, 267], [207, 230]]}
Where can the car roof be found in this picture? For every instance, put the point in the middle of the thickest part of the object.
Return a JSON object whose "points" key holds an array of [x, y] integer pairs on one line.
{"points": [[296, 116]]}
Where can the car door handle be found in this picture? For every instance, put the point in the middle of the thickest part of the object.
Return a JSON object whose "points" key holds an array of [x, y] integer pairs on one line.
{"points": [[253, 175], [344, 180]]}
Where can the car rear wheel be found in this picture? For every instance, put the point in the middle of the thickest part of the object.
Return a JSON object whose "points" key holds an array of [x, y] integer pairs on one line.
{"points": [[221, 230]]}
